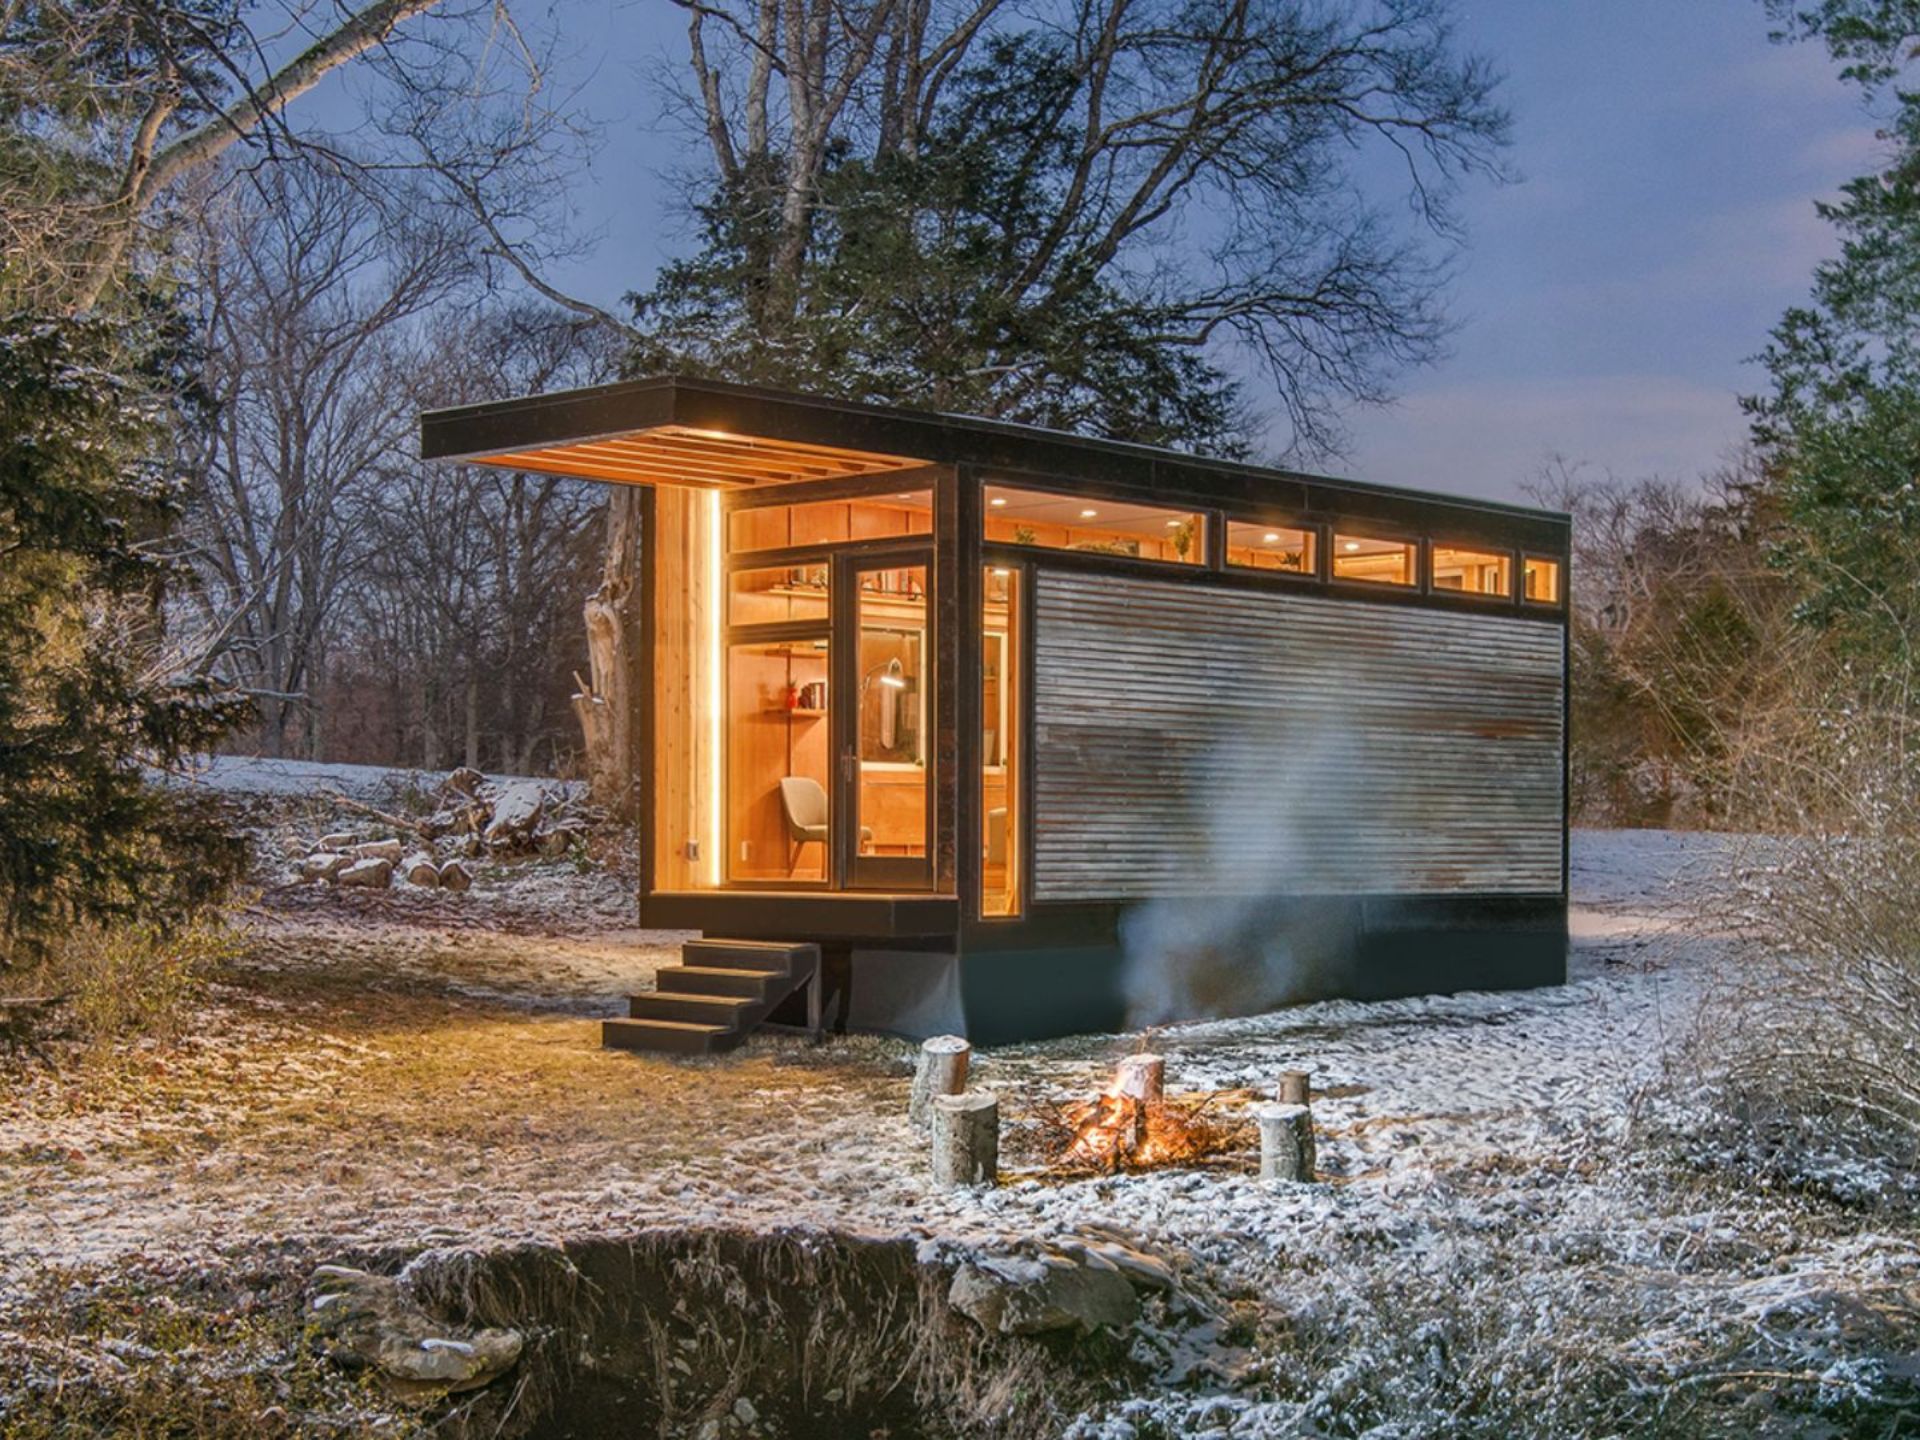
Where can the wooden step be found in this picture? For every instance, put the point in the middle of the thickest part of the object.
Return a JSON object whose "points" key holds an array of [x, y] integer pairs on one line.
{"points": [[712, 980], [729, 1011], [769, 955], [672, 1037]]}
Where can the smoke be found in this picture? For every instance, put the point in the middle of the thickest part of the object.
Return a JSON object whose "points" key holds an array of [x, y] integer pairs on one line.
{"points": [[1259, 921]]}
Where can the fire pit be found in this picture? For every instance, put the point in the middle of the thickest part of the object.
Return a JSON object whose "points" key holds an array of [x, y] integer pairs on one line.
{"points": [[1134, 1125]]}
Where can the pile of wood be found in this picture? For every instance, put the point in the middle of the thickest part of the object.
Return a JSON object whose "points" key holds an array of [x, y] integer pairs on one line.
{"points": [[473, 817]]}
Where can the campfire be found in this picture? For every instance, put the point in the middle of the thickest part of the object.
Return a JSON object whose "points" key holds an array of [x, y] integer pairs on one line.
{"points": [[1132, 1125]]}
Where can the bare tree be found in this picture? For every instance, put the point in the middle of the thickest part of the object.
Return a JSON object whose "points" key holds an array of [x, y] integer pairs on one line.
{"points": [[1192, 159], [467, 627], [117, 109], [314, 294]]}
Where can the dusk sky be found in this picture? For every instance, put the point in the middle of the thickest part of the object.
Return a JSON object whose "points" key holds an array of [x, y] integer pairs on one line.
{"points": [[1609, 302]]}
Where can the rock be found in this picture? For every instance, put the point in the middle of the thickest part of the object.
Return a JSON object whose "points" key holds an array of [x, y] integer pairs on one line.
{"points": [[1017, 1296], [744, 1412], [1142, 1270], [388, 850], [419, 869], [373, 874], [339, 840], [372, 1320], [516, 812], [455, 876]]}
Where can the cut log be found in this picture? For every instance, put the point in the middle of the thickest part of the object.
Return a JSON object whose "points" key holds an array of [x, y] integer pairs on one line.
{"points": [[387, 850], [1286, 1141], [1142, 1078], [942, 1070], [455, 876], [966, 1140], [324, 865], [463, 781], [374, 874], [420, 869], [516, 812], [1295, 1088], [339, 840]]}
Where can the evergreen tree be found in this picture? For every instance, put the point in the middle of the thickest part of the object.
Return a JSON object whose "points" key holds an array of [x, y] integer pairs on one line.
{"points": [[1841, 425], [84, 413]]}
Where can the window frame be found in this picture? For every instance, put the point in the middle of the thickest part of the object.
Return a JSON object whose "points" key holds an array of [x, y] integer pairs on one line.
{"points": [[1212, 523], [1559, 563], [1318, 533], [1478, 547], [1418, 561]]}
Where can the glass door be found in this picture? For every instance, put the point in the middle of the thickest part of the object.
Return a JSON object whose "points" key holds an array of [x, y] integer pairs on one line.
{"points": [[883, 649]]}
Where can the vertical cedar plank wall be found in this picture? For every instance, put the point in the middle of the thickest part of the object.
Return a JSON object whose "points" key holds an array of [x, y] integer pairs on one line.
{"points": [[677, 660], [1199, 740]]}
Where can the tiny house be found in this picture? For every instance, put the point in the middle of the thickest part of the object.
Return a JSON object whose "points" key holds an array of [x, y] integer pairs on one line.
{"points": [[959, 725]]}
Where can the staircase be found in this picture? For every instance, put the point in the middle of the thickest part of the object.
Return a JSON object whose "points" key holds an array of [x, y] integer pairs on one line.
{"points": [[716, 996]]}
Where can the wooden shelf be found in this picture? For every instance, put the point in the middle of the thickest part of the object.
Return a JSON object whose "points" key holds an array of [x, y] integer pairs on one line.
{"points": [[797, 714]]}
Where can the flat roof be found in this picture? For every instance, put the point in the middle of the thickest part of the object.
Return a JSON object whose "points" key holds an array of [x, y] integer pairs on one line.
{"points": [[672, 430]]}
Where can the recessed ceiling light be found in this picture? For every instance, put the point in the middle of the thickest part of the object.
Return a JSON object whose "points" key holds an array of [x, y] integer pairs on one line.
{"points": [[1271, 536], [1001, 572], [1351, 545], [998, 500], [1088, 514]]}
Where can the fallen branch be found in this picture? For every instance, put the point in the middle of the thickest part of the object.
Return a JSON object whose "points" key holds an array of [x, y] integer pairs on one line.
{"points": [[397, 821]]}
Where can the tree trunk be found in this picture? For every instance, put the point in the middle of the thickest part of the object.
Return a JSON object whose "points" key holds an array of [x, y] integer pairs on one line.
{"points": [[1286, 1141], [473, 718], [605, 699], [942, 1071], [966, 1140]]}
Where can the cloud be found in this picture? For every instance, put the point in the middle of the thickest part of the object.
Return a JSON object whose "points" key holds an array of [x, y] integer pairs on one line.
{"points": [[1487, 438]]}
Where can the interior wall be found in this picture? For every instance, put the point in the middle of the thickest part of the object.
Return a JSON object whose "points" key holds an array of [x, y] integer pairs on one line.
{"points": [[678, 552]]}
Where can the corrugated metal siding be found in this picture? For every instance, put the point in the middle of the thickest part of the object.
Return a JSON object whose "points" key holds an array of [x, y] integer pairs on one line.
{"points": [[1192, 739]]}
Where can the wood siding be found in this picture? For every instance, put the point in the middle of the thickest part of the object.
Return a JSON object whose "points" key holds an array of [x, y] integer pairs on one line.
{"points": [[1196, 739]]}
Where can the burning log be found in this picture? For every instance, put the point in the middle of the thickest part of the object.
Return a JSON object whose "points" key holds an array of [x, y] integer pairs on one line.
{"points": [[1286, 1141], [966, 1139], [1296, 1087], [942, 1070]]}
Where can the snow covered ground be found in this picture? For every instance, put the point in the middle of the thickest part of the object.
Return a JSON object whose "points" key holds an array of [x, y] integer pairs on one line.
{"points": [[1498, 1248]]}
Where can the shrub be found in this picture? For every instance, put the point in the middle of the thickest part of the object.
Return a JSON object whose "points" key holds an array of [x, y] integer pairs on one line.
{"points": [[125, 980]]}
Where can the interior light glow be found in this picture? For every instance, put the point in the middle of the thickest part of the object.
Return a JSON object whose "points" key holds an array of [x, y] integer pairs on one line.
{"points": [[1271, 536], [1001, 572], [1351, 545], [716, 657], [998, 500], [1173, 524], [1088, 514]]}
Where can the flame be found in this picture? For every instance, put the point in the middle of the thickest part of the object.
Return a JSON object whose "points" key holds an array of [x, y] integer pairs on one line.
{"points": [[1116, 1131]]}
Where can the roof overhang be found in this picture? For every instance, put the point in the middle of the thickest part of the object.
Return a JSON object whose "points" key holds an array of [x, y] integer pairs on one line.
{"points": [[660, 432], [712, 434]]}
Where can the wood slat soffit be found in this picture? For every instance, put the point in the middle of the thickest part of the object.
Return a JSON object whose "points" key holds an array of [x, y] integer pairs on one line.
{"points": [[701, 459]]}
